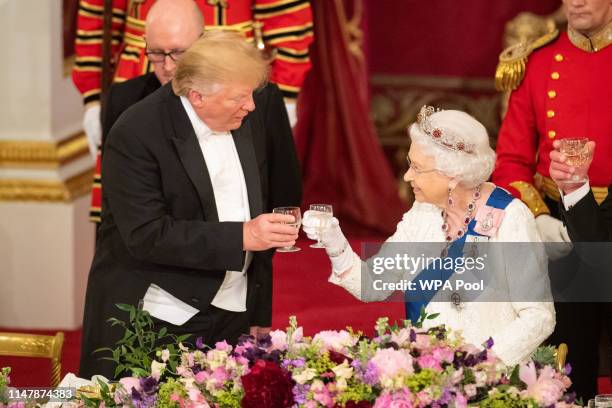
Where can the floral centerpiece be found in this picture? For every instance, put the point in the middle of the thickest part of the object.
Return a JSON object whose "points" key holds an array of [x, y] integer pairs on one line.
{"points": [[403, 366]]}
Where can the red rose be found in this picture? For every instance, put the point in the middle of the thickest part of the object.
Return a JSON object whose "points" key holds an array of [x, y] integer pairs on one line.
{"points": [[267, 385], [338, 358]]}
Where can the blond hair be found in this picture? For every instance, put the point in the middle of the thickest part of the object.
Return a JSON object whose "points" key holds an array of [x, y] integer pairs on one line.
{"points": [[219, 58]]}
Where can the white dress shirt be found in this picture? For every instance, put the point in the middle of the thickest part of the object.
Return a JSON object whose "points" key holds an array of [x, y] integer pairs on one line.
{"points": [[231, 199], [570, 200]]}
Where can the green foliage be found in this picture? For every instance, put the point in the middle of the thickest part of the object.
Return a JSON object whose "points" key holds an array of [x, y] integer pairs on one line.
{"points": [[506, 400], [140, 344], [421, 380], [544, 355], [4, 382], [164, 395], [356, 392], [229, 399]]}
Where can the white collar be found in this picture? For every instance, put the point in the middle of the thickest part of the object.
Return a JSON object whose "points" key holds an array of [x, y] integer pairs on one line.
{"points": [[201, 129]]}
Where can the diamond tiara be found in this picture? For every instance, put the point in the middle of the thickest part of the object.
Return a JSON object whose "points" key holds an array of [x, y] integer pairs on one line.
{"points": [[439, 135]]}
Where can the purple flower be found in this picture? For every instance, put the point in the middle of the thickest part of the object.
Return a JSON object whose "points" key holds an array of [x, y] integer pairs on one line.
{"points": [[200, 343], [567, 370], [300, 393], [148, 385], [370, 376], [489, 343]]}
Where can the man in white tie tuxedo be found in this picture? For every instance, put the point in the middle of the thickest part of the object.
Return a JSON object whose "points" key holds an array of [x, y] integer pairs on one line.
{"points": [[191, 173]]}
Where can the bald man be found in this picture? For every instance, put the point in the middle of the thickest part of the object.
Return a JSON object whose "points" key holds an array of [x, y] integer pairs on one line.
{"points": [[172, 27]]}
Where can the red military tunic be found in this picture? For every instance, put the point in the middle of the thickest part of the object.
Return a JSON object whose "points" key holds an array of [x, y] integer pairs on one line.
{"points": [[286, 28], [565, 93]]}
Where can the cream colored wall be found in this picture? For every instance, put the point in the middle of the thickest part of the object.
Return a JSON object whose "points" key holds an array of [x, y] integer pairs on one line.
{"points": [[45, 247]]}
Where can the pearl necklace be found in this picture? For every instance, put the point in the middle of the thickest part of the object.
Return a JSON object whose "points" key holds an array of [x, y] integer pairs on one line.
{"points": [[466, 219]]}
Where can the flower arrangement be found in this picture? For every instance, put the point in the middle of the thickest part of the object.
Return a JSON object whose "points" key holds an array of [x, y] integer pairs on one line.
{"points": [[5, 382], [404, 366]]}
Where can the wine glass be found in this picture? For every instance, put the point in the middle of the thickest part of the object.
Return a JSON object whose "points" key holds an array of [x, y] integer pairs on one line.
{"points": [[323, 213], [297, 215], [577, 154], [603, 401]]}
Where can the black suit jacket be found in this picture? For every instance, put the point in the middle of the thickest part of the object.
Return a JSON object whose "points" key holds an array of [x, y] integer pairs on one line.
{"points": [[588, 222], [123, 95], [160, 222]]}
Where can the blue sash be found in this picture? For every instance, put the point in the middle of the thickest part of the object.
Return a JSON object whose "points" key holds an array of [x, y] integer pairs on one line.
{"points": [[499, 198]]}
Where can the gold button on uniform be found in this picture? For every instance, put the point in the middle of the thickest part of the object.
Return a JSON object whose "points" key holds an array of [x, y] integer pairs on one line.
{"points": [[555, 75], [552, 134], [552, 94], [558, 57], [550, 114]]}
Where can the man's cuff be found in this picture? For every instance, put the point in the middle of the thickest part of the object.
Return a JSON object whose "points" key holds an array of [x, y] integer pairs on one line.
{"points": [[570, 200]]}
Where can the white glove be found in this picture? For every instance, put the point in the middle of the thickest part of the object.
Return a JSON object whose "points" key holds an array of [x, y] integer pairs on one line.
{"points": [[554, 235], [291, 112], [92, 126], [330, 234]]}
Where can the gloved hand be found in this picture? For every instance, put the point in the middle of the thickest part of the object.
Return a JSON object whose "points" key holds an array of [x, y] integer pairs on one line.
{"points": [[330, 234], [92, 126], [291, 112], [555, 237]]}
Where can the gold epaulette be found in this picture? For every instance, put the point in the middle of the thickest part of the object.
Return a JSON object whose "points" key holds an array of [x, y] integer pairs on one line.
{"points": [[511, 68], [531, 197]]}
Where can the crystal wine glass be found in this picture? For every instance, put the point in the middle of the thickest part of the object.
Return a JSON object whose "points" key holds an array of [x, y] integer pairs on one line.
{"points": [[577, 154], [603, 401], [323, 214], [297, 215]]}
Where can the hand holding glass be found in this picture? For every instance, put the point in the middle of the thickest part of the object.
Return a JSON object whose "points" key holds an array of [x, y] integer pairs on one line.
{"points": [[297, 216], [577, 154], [322, 213]]}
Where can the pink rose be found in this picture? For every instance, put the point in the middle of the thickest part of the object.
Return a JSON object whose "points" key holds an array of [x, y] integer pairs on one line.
{"points": [[390, 362], [223, 346], [429, 361], [545, 388], [335, 340], [402, 399], [444, 354]]}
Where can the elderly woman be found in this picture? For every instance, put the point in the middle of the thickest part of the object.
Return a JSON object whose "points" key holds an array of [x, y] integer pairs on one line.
{"points": [[449, 162]]}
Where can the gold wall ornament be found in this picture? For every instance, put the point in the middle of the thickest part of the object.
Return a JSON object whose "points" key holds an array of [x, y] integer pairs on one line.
{"points": [[39, 154], [396, 101], [46, 190]]}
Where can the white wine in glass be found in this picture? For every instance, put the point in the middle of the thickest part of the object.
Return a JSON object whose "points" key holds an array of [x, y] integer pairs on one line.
{"points": [[323, 214], [297, 215], [577, 154]]}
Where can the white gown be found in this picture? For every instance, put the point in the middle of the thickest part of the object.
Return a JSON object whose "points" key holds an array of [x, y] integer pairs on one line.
{"points": [[517, 327]]}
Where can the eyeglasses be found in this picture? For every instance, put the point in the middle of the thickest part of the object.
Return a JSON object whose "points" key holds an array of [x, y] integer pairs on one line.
{"points": [[160, 56], [417, 171]]}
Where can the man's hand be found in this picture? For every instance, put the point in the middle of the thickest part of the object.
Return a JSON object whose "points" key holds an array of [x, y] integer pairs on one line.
{"points": [[92, 126], [268, 231], [561, 172]]}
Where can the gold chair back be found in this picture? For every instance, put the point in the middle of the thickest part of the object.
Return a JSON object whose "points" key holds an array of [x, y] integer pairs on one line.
{"points": [[35, 345]]}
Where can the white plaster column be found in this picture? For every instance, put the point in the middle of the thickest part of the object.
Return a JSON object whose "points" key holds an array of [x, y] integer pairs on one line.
{"points": [[46, 240]]}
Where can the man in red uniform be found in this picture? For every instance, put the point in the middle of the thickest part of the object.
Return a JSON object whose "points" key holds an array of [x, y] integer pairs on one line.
{"points": [[286, 27], [563, 92]]}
